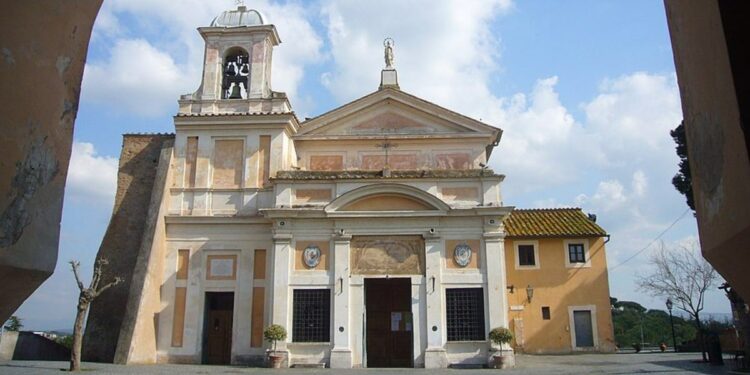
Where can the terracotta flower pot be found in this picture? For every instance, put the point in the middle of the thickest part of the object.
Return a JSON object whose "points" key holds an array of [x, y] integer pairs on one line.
{"points": [[503, 360], [275, 360], [498, 361]]}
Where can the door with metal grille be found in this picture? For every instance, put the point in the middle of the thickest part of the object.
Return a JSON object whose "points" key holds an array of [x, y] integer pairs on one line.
{"points": [[583, 329]]}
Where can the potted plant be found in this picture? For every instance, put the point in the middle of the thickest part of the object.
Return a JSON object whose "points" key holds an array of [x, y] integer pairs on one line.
{"points": [[274, 333], [502, 336]]}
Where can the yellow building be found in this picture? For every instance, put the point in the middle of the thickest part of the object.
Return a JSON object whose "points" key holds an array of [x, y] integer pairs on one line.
{"points": [[557, 279]]}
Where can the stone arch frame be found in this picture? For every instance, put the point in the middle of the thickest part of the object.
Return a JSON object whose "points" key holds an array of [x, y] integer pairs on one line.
{"points": [[438, 207], [233, 51]]}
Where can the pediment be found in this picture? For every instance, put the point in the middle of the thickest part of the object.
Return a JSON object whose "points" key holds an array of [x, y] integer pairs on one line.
{"points": [[393, 112]]}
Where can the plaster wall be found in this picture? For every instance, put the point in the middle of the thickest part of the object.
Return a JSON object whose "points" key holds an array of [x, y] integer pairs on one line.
{"points": [[40, 73], [714, 92], [557, 286], [409, 154], [208, 197]]}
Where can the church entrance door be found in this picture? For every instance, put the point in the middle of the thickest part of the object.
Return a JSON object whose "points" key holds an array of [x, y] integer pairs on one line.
{"points": [[217, 328], [389, 328]]}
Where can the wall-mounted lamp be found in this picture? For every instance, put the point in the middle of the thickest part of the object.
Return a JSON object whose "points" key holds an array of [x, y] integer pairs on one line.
{"points": [[511, 288], [529, 292]]}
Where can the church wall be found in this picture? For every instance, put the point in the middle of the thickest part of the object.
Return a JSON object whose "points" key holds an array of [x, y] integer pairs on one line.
{"points": [[207, 242], [229, 171], [242, 239]]}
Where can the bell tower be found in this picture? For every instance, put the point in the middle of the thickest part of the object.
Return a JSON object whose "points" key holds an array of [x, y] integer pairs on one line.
{"points": [[237, 65]]}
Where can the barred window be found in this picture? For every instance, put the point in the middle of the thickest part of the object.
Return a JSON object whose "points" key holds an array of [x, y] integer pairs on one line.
{"points": [[311, 319], [526, 255], [465, 314], [576, 253]]}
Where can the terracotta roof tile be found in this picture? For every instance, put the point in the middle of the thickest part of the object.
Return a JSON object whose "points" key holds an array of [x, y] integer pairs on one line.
{"points": [[360, 174], [551, 222]]}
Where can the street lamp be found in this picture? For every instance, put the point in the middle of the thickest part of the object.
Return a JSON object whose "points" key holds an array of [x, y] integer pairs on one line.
{"points": [[671, 322], [529, 293]]}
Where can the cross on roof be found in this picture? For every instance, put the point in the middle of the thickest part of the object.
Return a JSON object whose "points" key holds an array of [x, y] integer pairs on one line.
{"points": [[386, 145]]}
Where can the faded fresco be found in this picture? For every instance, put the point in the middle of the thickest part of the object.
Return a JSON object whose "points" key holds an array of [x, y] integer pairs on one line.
{"points": [[387, 255], [456, 160], [326, 163], [396, 162]]}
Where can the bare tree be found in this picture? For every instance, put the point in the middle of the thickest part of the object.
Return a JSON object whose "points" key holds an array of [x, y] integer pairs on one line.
{"points": [[684, 276], [84, 300]]}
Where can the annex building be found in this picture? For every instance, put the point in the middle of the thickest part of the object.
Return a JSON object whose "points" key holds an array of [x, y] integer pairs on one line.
{"points": [[374, 233]]}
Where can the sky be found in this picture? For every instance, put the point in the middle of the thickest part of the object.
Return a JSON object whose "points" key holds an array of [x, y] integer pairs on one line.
{"points": [[585, 92]]}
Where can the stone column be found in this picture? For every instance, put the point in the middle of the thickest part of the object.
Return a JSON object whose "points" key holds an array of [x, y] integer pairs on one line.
{"points": [[280, 287], [497, 298], [341, 354], [435, 356]]}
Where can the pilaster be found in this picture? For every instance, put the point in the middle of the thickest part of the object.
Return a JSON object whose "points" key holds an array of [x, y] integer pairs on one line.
{"points": [[282, 257], [497, 298], [435, 355], [341, 354]]}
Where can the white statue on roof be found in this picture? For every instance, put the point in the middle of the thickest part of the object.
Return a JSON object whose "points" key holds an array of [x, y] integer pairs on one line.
{"points": [[388, 44]]}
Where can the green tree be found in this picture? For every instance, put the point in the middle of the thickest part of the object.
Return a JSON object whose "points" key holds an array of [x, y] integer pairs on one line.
{"points": [[13, 324], [629, 317], [682, 181]]}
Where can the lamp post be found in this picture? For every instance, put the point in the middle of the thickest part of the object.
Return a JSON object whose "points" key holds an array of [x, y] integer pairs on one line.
{"points": [[671, 322]]}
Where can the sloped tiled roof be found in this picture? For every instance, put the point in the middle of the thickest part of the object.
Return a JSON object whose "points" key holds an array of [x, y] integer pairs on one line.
{"points": [[551, 222]]}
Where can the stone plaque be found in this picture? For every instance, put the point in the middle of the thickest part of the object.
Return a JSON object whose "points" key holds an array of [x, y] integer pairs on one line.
{"points": [[387, 255], [222, 267]]}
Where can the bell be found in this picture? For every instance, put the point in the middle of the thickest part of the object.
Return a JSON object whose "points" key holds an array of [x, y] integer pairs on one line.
{"points": [[235, 92], [244, 70]]}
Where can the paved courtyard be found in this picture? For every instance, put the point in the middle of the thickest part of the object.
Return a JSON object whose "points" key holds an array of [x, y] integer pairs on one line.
{"points": [[648, 363]]}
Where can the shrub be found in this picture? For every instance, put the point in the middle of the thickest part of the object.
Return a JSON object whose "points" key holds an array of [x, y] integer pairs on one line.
{"points": [[501, 335], [274, 333]]}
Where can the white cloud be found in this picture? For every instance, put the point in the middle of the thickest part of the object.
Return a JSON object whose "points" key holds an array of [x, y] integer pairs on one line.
{"points": [[146, 75], [91, 177], [640, 183], [137, 78], [444, 50]]}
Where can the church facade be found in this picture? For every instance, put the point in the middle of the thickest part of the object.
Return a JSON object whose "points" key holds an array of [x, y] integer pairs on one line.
{"points": [[374, 233]]}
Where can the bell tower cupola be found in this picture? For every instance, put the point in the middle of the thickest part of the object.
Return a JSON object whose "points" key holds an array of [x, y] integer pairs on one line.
{"points": [[237, 65]]}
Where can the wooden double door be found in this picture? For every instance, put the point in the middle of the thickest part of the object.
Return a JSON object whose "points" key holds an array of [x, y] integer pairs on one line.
{"points": [[388, 322]]}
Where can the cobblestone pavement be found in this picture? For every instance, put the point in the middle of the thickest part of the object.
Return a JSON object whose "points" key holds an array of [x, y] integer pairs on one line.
{"points": [[649, 363]]}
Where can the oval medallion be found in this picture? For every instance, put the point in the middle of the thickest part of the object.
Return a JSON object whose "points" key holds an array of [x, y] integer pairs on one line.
{"points": [[462, 255], [311, 256]]}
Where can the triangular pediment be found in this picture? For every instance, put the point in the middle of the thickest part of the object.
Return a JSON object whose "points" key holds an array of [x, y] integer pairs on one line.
{"points": [[393, 112]]}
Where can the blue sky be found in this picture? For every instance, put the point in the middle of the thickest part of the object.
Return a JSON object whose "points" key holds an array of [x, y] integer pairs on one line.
{"points": [[584, 90]]}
